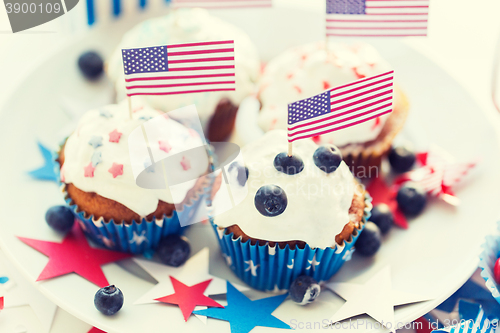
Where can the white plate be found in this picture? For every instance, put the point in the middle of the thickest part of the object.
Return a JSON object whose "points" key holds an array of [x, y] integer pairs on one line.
{"points": [[435, 256]]}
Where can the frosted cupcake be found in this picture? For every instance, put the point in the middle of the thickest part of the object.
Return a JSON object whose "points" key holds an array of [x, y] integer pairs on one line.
{"points": [[217, 109], [97, 175], [301, 215], [309, 69]]}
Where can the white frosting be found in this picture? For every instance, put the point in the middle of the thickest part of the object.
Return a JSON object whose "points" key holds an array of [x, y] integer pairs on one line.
{"points": [[318, 203], [101, 122], [191, 25], [310, 69]]}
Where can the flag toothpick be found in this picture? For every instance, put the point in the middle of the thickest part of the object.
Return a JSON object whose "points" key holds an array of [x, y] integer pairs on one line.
{"points": [[289, 149], [130, 107]]}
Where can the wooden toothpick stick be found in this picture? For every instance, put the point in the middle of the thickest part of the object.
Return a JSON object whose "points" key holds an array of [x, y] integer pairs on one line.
{"points": [[130, 107], [289, 149]]}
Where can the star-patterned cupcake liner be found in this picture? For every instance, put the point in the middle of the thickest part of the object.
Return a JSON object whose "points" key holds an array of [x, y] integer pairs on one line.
{"points": [[273, 269], [488, 257]]}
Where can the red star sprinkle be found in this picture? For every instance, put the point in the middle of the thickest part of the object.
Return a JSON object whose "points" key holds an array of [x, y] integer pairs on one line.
{"points": [[165, 146], [326, 85], [115, 136], [116, 170], [74, 255], [89, 170], [188, 297], [95, 330], [381, 193], [1, 303], [186, 165]]}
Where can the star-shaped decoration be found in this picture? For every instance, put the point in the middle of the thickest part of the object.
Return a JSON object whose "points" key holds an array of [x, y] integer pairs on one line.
{"points": [[138, 239], [348, 254], [105, 113], [96, 158], [313, 263], [188, 297], [95, 141], [88, 171], [114, 136], [251, 267], [74, 255], [95, 330], [375, 298], [381, 193], [185, 163], [49, 170], [165, 146], [244, 314], [116, 170], [194, 270]]}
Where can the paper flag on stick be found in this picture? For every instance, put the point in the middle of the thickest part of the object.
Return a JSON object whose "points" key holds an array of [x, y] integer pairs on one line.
{"points": [[381, 193], [49, 171], [74, 255], [244, 315]]}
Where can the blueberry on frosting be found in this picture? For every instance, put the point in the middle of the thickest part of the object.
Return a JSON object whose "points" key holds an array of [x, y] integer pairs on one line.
{"points": [[242, 172], [290, 165], [270, 200], [327, 158]]}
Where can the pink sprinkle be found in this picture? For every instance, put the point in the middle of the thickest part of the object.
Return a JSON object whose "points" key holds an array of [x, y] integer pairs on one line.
{"points": [[326, 85], [89, 170], [186, 165], [114, 136], [359, 75], [165, 146], [298, 89], [289, 76], [316, 139], [137, 109], [376, 124], [116, 170], [273, 123]]}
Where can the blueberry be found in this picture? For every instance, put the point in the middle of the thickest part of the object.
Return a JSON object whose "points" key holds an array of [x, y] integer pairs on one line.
{"points": [[242, 175], [382, 217], [91, 65], [369, 240], [270, 200], [402, 159], [411, 199], [304, 289], [327, 158], [60, 218], [173, 250], [290, 165], [108, 300]]}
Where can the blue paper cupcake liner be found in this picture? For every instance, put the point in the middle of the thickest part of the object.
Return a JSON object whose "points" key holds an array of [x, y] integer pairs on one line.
{"points": [[488, 257], [269, 268]]}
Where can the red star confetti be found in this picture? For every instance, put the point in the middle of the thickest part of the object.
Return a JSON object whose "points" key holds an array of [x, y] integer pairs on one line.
{"points": [[89, 170], [114, 136], [186, 165], [188, 297], [1, 303], [74, 255], [95, 330], [165, 146], [116, 170], [381, 193]]}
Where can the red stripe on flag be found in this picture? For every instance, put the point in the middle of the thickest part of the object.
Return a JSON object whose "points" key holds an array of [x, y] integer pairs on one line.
{"points": [[360, 94], [178, 77], [198, 52], [182, 92], [182, 69], [399, 35], [362, 87], [199, 60], [360, 100], [377, 14], [180, 85], [377, 28], [361, 81], [200, 44], [394, 7], [377, 21]]}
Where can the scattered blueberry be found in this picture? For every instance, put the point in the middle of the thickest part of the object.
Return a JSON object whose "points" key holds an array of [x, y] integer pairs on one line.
{"points": [[382, 217], [91, 65], [60, 218], [401, 159], [173, 250], [290, 165], [270, 200], [108, 300], [369, 240], [327, 158], [411, 199], [242, 175], [304, 290]]}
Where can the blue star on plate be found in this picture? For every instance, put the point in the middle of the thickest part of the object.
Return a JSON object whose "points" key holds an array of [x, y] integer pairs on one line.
{"points": [[244, 314], [50, 169], [96, 158], [95, 141]]}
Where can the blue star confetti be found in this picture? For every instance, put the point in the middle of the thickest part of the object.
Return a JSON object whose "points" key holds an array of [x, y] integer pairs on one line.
{"points": [[95, 141], [105, 113], [244, 314], [49, 171], [4, 279], [96, 158]]}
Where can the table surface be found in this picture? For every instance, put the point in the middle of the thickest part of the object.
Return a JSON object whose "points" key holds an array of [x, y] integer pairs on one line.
{"points": [[462, 39]]}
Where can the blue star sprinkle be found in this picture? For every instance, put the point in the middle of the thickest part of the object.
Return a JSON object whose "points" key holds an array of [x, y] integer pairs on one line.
{"points": [[4, 279], [50, 169], [105, 113], [244, 314], [96, 158], [150, 168], [95, 141], [146, 118]]}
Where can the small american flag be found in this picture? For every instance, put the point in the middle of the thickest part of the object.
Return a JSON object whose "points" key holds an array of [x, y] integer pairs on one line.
{"points": [[380, 18], [341, 107], [222, 3], [180, 69]]}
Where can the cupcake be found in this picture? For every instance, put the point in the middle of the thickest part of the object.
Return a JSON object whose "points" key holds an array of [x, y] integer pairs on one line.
{"points": [[488, 263], [301, 216], [309, 69], [101, 161], [217, 109]]}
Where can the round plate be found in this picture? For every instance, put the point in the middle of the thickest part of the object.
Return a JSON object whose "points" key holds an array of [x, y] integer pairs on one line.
{"points": [[434, 257]]}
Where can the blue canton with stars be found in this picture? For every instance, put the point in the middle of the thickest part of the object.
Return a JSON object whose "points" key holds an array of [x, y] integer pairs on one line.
{"points": [[145, 60], [309, 108], [345, 7]]}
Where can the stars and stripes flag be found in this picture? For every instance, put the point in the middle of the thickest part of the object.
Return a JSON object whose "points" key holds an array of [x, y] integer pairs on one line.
{"points": [[341, 107], [180, 69], [222, 3], [377, 18]]}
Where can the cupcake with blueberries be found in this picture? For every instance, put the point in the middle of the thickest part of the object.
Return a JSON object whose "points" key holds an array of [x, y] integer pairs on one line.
{"points": [[301, 215], [307, 70], [113, 186], [217, 109]]}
